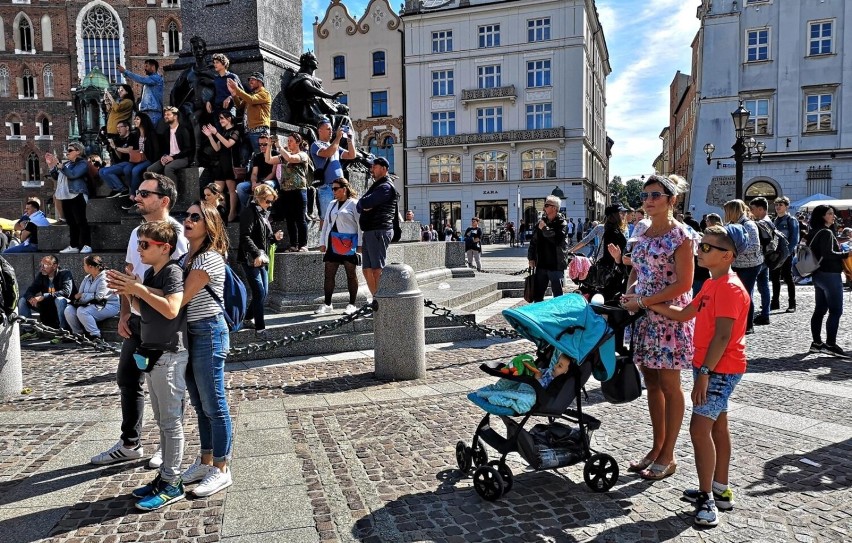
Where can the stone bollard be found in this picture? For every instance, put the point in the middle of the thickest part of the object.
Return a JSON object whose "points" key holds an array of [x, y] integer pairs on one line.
{"points": [[11, 378], [398, 327]]}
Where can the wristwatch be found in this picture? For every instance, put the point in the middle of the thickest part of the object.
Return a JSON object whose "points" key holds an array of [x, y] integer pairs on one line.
{"points": [[704, 370]]}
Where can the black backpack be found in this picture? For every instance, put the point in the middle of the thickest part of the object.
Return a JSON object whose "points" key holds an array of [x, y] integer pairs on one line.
{"points": [[8, 288], [773, 243]]}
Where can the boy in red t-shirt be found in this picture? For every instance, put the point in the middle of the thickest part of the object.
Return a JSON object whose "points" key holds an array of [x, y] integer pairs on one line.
{"points": [[721, 312]]}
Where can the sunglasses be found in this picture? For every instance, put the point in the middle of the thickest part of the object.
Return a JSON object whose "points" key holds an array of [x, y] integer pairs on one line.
{"points": [[705, 247], [549, 205], [194, 217], [270, 202], [336, 188], [656, 195], [145, 193], [145, 243], [263, 145], [71, 150]]}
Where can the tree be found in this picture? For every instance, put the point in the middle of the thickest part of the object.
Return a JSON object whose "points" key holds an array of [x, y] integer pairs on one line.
{"points": [[631, 192], [617, 190]]}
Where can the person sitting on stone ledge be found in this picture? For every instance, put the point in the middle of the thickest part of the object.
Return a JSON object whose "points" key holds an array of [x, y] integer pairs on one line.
{"points": [[49, 293], [222, 100], [33, 212], [94, 302], [260, 172], [118, 174], [176, 147], [26, 240], [213, 197]]}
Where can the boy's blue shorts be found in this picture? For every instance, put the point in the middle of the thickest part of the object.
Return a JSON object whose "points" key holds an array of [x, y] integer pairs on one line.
{"points": [[719, 389]]}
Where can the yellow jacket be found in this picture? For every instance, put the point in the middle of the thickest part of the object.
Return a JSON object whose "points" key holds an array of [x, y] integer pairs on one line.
{"points": [[121, 111], [259, 106]]}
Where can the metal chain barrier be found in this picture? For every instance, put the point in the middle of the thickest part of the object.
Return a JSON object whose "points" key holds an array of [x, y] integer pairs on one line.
{"points": [[81, 340], [521, 272], [505, 333]]}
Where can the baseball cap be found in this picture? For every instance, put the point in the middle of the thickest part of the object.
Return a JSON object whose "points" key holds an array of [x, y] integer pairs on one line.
{"points": [[258, 76], [381, 161], [614, 208]]}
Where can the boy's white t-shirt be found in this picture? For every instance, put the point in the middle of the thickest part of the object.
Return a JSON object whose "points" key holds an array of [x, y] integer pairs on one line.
{"points": [[132, 257]]}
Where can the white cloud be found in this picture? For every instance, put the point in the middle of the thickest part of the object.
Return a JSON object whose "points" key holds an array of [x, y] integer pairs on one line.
{"points": [[645, 56]]}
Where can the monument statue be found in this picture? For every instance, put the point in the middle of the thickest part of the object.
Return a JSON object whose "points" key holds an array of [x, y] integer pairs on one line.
{"points": [[191, 93], [309, 102]]}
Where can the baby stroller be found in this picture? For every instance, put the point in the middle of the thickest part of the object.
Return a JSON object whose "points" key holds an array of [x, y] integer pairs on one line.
{"points": [[583, 332]]}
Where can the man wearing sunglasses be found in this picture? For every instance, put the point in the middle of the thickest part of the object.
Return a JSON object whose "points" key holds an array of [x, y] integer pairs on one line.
{"points": [[154, 199], [546, 251]]}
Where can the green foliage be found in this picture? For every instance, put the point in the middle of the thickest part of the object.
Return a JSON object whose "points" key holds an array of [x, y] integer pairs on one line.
{"points": [[631, 192]]}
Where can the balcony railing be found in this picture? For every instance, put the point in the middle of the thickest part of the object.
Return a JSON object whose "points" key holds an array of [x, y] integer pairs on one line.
{"points": [[494, 93], [493, 137]]}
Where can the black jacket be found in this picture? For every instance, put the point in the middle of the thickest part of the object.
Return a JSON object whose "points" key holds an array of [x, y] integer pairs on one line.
{"points": [[184, 142], [378, 206], [826, 247], [63, 283], [547, 245], [255, 233]]}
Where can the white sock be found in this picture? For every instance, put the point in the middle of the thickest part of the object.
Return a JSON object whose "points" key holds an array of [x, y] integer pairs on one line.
{"points": [[719, 487]]}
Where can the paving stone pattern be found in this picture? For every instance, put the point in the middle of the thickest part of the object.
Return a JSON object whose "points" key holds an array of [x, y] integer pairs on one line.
{"points": [[324, 452]]}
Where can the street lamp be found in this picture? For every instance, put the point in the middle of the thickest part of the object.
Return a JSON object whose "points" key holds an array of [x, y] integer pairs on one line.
{"points": [[742, 147]]}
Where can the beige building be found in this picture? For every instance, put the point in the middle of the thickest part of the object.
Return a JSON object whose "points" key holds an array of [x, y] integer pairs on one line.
{"points": [[363, 60]]}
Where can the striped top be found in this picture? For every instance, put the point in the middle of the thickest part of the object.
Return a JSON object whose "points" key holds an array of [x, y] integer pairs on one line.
{"points": [[202, 305]]}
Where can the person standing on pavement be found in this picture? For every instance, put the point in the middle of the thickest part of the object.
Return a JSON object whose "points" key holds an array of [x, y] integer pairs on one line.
{"points": [[473, 245], [789, 226], [545, 254], [758, 208], [827, 281], [569, 229], [748, 262], [151, 102], [377, 207], [155, 197]]}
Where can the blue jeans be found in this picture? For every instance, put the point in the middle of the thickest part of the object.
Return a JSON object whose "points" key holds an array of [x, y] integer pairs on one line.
{"points": [[244, 191], [258, 280], [828, 293], [110, 175], [26, 310], [23, 248], [136, 175], [763, 289], [325, 196], [748, 276], [205, 381]]}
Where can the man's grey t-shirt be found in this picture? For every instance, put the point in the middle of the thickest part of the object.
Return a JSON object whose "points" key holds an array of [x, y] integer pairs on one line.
{"points": [[158, 332]]}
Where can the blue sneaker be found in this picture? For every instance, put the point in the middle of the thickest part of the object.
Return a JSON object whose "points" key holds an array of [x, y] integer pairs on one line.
{"points": [[167, 494], [150, 488]]}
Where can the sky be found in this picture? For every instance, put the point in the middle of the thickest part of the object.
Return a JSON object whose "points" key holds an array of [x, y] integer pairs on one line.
{"points": [[647, 41]]}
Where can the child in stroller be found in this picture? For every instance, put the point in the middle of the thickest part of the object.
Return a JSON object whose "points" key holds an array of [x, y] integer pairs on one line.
{"points": [[574, 340]]}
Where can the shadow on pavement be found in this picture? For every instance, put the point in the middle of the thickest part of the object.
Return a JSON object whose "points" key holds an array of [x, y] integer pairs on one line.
{"points": [[839, 369], [788, 473]]}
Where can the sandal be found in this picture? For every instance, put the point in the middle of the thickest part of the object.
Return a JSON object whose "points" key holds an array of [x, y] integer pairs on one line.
{"points": [[658, 472], [640, 465]]}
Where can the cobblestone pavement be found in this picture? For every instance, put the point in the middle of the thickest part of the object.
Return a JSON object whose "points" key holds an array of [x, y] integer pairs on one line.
{"points": [[324, 452]]}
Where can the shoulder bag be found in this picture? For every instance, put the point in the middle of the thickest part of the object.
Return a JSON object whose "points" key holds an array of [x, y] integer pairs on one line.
{"points": [[806, 261], [625, 385], [529, 286]]}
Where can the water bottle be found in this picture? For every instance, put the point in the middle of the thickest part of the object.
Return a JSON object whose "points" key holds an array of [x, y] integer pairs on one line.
{"points": [[554, 458]]}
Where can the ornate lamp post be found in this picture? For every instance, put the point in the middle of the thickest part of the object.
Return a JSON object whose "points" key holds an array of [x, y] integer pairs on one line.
{"points": [[742, 147]]}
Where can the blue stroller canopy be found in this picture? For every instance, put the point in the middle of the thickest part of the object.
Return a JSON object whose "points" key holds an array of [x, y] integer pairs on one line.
{"points": [[570, 325]]}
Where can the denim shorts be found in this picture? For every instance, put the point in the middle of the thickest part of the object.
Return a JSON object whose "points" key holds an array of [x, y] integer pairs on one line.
{"points": [[719, 389]]}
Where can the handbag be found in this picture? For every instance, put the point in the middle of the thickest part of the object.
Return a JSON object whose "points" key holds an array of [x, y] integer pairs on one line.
{"points": [[397, 224], [239, 173], [529, 286], [625, 385], [600, 275], [806, 261], [135, 157]]}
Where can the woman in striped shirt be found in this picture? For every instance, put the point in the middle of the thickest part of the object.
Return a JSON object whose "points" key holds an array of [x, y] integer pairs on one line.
{"points": [[207, 330]]}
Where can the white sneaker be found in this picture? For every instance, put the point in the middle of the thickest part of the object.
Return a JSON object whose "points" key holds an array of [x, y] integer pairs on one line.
{"points": [[156, 459], [323, 309], [350, 309], [69, 249], [196, 472], [213, 482], [117, 453], [85, 250]]}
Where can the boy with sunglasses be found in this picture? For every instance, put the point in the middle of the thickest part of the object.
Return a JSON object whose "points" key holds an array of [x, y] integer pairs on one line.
{"points": [[161, 353], [720, 311]]}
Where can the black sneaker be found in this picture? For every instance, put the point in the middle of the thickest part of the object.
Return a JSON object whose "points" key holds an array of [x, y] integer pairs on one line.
{"points": [[774, 305], [791, 309], [816, 347], [833, 349], [117, 193], [761, 320]]}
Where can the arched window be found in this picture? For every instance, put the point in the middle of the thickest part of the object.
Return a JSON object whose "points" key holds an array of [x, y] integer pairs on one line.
{"points": [[379, 63], [490, 166], [28, 84], [174, 39], [33, 168], [2, 35], [445, 169], [100, 31], [46, 33], [151, 31], [4, 81], [48, 81], [44, 126], [538, 164], [25, 35]]}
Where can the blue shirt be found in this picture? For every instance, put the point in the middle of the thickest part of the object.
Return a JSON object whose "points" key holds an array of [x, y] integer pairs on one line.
{"points": [[37, 218], [334, 169], [789, 226], [152, 91]]}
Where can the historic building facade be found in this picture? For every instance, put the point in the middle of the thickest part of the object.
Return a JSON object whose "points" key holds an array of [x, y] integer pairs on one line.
{"points": [[363, 60], [785, 60], [47, 48], [505, 105]]}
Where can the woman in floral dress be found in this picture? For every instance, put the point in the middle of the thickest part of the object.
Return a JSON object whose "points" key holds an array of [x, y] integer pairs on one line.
{"points": [[663, 265]]}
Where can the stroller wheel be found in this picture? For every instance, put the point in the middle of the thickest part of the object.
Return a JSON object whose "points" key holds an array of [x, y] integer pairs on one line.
{"points": [[488, 483], [463, 457], [600, 472], [480, 455], [505, 473]]}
